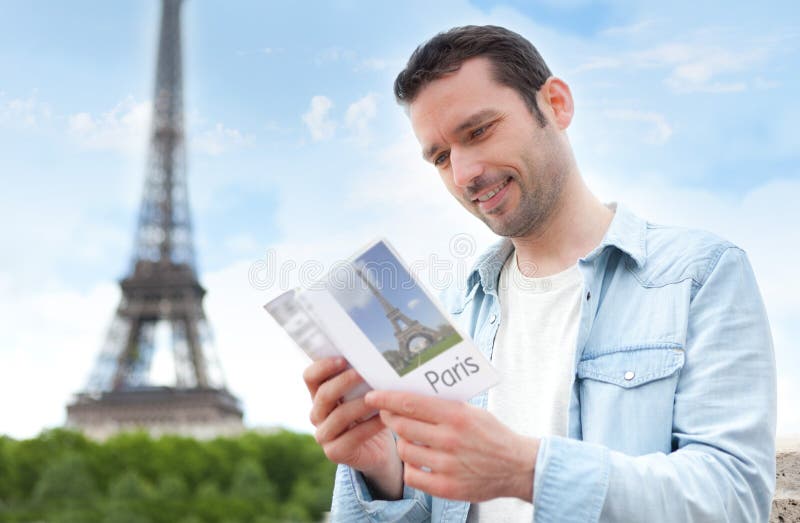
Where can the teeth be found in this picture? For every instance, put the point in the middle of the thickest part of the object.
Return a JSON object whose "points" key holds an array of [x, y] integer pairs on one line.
{"points": [[489, 194]]}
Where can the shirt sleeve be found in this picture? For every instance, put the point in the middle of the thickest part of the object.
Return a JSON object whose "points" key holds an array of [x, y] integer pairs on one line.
{"points": [[723, 433], [352, 502]]}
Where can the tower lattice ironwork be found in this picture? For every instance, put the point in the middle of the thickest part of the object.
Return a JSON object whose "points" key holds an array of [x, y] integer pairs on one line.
{"points": [[161, 293], [406, 330]]}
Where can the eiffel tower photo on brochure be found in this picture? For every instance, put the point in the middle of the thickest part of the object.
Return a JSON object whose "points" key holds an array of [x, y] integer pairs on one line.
{"points": [[372, 311]]}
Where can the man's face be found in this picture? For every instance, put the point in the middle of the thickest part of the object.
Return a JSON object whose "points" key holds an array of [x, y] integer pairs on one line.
{"points": [[489, 149]]}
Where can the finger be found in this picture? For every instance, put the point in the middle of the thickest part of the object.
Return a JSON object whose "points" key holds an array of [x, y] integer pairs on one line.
{"points": [[341, 418], [320, 371], [341, 448], [423, 408], [435, 436], [436, 484], [330, 392], [420, 456]]}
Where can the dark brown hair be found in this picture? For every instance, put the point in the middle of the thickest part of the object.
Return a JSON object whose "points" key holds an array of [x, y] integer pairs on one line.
{"points": [[516, 62]]}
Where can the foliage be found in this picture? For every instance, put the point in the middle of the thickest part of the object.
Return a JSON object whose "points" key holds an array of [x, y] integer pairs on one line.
{"points": [[62, 477]]}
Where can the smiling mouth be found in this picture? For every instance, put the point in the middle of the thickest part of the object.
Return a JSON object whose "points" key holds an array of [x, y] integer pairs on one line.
{"points": [[488, 196]]}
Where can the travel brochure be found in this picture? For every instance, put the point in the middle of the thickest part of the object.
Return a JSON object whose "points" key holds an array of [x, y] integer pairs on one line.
{"points": [[372, 311]]}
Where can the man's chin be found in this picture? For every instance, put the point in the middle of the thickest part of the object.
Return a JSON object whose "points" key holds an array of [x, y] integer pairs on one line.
{"points": [[505, 227]]}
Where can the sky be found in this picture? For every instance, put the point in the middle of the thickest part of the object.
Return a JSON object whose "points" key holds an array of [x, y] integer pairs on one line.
{"points": [[298, 155]]}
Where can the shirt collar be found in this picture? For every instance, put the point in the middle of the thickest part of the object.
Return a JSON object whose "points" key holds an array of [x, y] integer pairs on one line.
{"points": [[627, 232]]}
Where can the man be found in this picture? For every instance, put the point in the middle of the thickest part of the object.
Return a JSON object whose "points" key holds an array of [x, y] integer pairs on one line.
{"points": [[638, 371]]}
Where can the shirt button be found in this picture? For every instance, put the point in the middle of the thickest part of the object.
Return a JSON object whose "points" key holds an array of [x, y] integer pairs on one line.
{"points": [[589, 295], [629, 375], [492, 318]]}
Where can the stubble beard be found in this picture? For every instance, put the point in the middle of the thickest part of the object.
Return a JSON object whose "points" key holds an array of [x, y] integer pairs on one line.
{"points": [[536, 206]]}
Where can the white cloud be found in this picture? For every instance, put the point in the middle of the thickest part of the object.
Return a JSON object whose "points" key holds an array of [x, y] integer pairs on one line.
{"points": [[27, 112], [698, 75], [123, 128], [334, 54], [220, 139], [374, 64], [266, 51], [627, 30], [51, 338], [598, 62], [566, 4], [657, 131], [763, 84], [260, 361], [696, 66], [241, 244], [126, 128], [349, 56], [380, 64], [317, 118], [358, 116]]}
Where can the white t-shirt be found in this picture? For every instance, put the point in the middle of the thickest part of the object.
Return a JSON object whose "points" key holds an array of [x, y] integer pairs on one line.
{"points": [[534, 352]]}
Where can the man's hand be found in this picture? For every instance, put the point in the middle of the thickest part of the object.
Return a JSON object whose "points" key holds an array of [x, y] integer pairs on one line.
{"points": [[343, 432], [456, 451]]}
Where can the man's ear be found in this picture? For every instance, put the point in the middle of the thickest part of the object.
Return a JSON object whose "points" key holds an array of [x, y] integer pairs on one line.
{"points": [[558, 98]]}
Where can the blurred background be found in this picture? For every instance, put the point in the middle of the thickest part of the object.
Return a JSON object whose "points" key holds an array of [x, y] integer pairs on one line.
{"points": [[297, 155]]}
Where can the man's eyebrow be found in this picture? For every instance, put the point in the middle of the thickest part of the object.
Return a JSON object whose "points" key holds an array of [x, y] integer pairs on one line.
{"points": [[471, 121], [476, 119]]}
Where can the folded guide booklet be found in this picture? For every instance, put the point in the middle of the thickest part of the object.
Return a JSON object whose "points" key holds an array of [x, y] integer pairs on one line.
{"points": [[373, 312]]}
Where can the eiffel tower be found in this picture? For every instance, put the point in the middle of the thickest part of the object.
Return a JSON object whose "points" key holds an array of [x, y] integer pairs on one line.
{"points": [[412, 336], [160, 294]]}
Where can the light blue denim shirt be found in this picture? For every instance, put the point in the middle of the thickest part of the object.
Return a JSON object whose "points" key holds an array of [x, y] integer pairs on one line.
{"points": [[672, 411]]}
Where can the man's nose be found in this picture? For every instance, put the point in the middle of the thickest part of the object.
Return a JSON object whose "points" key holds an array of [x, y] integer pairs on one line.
{"points": [[465, 165]]}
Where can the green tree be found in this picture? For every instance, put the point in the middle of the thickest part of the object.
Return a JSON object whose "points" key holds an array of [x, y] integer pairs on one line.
{"points": [[129, 499], [73, 515], [130, 486], [130, 451], [182, 456], [251, 482], [61, 477], [313, 498], [287, 457], [210, 503], [31, 457], [122, 515], [223, 454], [65, 481], [172, 487], [6, 470], [172, 498]]}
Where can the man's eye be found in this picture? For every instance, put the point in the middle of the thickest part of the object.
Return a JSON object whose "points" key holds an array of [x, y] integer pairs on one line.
{"points": [[440, 160], [480, 131]]}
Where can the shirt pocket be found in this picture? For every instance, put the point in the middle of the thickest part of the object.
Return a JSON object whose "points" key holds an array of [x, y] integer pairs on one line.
{"points": [[627, 395]]}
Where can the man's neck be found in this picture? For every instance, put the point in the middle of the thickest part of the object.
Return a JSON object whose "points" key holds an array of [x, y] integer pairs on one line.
{"points": [[576, 226]]}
